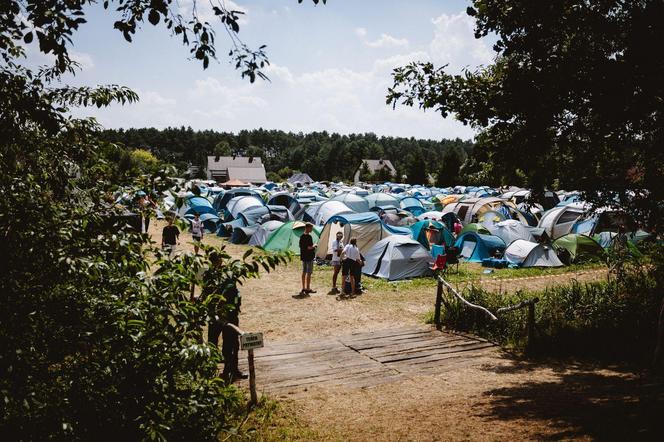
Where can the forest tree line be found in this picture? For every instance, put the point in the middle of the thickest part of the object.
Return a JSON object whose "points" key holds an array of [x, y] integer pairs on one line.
{"points": [[323, 155]]}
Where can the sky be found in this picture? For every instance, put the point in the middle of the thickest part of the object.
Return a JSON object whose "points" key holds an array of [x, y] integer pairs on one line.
{"points": [[330, 67]]}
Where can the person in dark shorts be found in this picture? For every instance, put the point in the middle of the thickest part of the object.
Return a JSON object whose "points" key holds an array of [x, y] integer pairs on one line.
{"points": [[351, 263], [169, 237], [307, 253], [358, 275], [223, 314]]}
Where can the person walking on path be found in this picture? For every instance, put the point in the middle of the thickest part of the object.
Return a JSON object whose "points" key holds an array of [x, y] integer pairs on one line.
{"points": [[307, 252], [351, 263], [337, 250], [169, 237], [196, 231], [223, 313]]}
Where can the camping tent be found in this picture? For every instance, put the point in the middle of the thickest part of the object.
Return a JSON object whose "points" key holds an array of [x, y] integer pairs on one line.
{"points": [[365, 227], [578, 247], [475, 247], [328, 209], [355, 202], [284, 199], [241, 235], [301, 178], [222, 199], [475, 227], [510, 230], [241, 204], [430, 233], [382, 200], [397, 257], [559, 220], [287, 238], [412, 205], [263, 232], [531, 254]]}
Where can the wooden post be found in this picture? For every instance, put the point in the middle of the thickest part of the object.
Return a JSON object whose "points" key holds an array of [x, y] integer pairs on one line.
{"points": [[439, 301], [530, 327], [252, 379]]}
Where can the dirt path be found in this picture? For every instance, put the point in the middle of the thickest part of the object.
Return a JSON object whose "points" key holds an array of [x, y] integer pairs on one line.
{"points": [[502, 400]]}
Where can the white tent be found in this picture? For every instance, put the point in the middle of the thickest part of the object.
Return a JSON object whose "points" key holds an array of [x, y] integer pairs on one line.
{"points": [[365, 227], [531, 254], [263, 233], [510, 230], [239, 204], [559, 221], [397, 257], [355, 202], [328, 209]]}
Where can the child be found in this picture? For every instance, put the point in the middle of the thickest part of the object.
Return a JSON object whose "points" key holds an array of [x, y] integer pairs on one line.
{"points": [[196, 231]]}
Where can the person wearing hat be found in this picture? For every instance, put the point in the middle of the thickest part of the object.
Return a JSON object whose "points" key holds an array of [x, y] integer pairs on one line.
{"points": [[307, 252]]}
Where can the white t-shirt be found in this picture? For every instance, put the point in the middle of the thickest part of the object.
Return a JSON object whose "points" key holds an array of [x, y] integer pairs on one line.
{"points": [[336, 245], [352, 252]]}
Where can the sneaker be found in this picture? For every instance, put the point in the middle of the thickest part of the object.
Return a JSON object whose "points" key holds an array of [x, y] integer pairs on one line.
{"points": [[311, 291], [301, 295], [240, 375]]}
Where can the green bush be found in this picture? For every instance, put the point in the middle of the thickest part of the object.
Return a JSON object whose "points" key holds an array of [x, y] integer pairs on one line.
{"points": [[615, 319]]}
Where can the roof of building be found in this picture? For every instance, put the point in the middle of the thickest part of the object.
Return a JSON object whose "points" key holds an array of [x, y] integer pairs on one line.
{"points": [[375, 165], [251, 174], [222, 163]]}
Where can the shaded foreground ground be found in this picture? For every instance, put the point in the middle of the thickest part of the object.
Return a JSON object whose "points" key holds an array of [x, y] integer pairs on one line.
{"points": [[496, 400]]}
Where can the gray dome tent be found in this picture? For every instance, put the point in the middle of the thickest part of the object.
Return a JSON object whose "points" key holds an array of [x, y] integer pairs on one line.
{"points": [[397, 257]]}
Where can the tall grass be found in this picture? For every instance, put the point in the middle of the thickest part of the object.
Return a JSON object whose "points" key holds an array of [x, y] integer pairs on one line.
{"points": [[599, 319]]}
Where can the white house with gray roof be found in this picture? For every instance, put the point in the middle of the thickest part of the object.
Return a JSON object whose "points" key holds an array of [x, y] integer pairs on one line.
{"points": [[245, 169]]}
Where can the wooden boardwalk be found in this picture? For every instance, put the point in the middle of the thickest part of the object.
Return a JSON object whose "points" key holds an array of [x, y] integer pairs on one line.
{"points": [[363, 360]]}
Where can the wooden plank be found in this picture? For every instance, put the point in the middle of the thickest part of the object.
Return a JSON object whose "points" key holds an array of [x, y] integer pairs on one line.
{"points": [[436, 352], [411, 346], [436, 357]]}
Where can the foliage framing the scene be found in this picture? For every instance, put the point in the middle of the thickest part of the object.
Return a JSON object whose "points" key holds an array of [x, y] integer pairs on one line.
{"points": [[98, 336]]}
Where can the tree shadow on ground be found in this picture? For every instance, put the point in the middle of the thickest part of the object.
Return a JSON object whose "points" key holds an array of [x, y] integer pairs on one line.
{"points": [[583, 401]]}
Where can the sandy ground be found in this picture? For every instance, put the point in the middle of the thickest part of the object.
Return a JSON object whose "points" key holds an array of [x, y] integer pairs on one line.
{"points": [[503, 400]]}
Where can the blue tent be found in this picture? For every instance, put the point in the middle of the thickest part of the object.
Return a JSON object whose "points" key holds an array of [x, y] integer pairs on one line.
{"points": [[419, 233], [475, 247], [225, 229], [209, 220], [222, 199], [412, 205]]}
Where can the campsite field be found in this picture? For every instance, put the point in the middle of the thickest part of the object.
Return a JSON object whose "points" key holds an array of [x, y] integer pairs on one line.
{"points": [[505, 399]]}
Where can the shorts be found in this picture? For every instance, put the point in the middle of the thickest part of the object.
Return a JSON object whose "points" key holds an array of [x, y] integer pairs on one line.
{"points": [[196, 238], [336, 264], [349, 267], [307, 267]]}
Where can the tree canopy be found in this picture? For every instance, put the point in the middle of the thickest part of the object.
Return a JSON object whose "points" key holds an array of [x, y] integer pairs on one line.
{"points": [[573, 97], [323, 155]]}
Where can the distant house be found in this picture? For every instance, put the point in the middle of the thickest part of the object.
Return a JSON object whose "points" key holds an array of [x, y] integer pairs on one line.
{"points": [[245, 169], [374, 166]]}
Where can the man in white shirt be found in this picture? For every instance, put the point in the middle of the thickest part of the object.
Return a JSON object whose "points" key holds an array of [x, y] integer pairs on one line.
{"points": [[337, 250], [351, 263]]}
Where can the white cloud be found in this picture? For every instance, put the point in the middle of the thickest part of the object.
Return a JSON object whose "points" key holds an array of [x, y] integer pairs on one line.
{"points": [[454, 43], [84, 60], [361, 32], [205, 12], [387, 41]]}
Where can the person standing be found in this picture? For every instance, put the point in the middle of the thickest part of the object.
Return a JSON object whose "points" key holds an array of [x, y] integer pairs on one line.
{"points": [[224, 303], [351, 263], [196, 231], [337, 250], [457, 227], [307, 252], [169, 237], [358, 275]]}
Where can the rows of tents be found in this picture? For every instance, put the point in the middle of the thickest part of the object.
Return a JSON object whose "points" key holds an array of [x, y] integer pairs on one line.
{"points": [[400, 229]]}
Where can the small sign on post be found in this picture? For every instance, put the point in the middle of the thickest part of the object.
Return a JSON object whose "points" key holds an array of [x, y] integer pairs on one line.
{"points": [[250, 341]]}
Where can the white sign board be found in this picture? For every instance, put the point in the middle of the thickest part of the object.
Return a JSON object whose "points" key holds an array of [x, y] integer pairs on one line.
{"points": [[249, 341]]}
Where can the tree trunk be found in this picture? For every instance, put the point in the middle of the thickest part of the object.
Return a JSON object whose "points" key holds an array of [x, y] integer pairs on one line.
{"points": [[658, 361]]}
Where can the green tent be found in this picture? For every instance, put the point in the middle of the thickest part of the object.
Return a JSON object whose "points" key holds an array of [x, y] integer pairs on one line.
{"points": [[287, 238], [580, 248], [475, 227]]}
